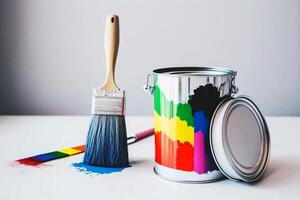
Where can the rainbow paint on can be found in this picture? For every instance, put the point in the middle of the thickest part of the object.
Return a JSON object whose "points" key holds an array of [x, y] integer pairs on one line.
{"points": [[185, 99]]}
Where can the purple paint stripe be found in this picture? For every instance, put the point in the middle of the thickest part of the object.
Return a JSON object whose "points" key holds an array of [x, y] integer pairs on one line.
{"points": [[199, 153]]}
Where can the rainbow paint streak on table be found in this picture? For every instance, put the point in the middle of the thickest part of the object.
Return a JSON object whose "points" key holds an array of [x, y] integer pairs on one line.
{"points": [[42, 158]]}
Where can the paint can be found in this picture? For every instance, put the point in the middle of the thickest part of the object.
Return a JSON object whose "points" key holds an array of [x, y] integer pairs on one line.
{"points": [[185, 103]]}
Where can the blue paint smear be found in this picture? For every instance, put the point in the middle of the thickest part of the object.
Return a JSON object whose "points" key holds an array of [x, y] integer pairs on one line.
{"points": [[201, 122], [89, 169]]}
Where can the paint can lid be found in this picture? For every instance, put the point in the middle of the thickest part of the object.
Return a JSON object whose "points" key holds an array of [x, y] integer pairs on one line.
{"points": [[239, 139]]}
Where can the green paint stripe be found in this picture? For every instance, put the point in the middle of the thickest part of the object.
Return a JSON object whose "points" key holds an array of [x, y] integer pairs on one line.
{"points": [[184, 112], [58, 154], [169, 109]]}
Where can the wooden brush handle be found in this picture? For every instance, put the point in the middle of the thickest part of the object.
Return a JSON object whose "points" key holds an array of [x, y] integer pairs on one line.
{"points": [[111, 45]]}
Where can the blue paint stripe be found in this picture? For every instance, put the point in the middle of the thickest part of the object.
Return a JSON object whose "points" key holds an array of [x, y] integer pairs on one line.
{"points": [[201, 122], [44, 157]]}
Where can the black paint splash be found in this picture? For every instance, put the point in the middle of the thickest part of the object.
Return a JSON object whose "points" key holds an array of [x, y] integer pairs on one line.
{"points": [[205, 100]]}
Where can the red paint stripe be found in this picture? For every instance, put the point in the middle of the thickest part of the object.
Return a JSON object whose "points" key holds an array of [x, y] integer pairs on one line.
{"points": [[29, 161], [173, 154]]}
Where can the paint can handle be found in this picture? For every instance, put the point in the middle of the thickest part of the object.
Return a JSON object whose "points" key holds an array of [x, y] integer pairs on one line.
{"points": [[234, 89], [147, 87]]}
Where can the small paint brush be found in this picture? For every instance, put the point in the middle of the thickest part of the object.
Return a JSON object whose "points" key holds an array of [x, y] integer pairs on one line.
{"points": [[106, 144], [67, 152], [139, 136]]}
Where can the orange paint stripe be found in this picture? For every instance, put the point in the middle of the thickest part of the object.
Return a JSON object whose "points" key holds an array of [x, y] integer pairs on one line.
{"points": [[79, 148]]}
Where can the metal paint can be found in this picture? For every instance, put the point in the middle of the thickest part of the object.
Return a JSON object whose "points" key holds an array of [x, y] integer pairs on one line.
{"points": [[184, 102], [202, 132]]}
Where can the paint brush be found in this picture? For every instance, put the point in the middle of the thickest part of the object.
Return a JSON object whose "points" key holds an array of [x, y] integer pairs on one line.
{"points": [[139, 136], [106, 144], [63, 153]]}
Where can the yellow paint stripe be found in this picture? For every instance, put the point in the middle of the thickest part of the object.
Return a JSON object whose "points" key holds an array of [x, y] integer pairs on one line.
{"points": [[174, 128], [70, 151]]}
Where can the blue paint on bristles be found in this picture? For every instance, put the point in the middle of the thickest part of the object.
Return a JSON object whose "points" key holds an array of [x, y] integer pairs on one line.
{"points": [[107, 142]]}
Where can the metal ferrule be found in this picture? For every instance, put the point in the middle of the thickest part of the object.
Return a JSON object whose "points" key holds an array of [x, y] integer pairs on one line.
{"points": [[131, 139], [108, 102]]}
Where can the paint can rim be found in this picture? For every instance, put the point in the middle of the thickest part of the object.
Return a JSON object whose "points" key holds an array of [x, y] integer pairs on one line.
{"points": [[179, 71]]}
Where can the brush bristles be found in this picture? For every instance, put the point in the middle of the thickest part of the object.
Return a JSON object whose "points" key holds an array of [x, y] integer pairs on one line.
{"points": [[107, 142]]}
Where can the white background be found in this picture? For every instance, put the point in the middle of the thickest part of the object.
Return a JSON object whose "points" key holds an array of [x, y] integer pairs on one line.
{"points": [[52, 55]]}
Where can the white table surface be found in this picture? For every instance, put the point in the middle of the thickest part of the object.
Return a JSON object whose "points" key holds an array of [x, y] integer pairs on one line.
{"points": [[22, 136]]}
